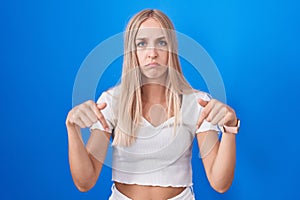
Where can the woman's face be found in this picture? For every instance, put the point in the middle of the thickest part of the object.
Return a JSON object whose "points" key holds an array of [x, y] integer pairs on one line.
{"points": [[152, 49]]}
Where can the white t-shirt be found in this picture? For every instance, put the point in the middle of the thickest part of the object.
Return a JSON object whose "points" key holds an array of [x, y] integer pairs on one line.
{"points": [[158, 157]]}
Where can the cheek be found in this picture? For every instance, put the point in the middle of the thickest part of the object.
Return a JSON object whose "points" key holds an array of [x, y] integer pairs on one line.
{"points": [[140, 56], [165, 56]]}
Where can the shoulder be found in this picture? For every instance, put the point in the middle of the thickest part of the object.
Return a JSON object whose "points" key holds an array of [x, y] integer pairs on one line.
{"points": [[113, 91], [109, 95], [195, 95], [191, 102]]}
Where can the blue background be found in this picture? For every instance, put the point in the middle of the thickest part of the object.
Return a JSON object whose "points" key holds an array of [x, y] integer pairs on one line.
{"points": [[255, 45]]}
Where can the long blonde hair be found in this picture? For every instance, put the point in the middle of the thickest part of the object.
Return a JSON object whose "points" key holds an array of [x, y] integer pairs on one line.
{"points": [[130, 97]]}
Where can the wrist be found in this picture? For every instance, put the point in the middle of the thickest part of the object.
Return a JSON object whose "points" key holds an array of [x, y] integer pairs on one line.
{"points": [[231, 129], [70, 125]]}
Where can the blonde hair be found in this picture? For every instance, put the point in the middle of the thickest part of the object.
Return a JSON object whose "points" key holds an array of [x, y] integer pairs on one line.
{"points": [[130, 97]]}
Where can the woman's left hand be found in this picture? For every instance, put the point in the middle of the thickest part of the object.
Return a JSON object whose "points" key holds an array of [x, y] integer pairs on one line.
{"points": [[216, 113]]}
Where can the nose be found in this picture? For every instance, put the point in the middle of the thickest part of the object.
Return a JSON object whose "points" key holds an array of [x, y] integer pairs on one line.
{"points": [[152, 52]]}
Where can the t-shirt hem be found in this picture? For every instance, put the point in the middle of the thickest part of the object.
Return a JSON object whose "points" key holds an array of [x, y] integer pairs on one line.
{"points": [[153, 184]]}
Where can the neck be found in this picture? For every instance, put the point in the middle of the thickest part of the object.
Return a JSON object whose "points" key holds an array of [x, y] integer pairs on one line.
{"points": [[153, 93]]}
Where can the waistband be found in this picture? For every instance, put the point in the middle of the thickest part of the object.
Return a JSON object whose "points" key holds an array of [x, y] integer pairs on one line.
{"points": [[187, 194]]}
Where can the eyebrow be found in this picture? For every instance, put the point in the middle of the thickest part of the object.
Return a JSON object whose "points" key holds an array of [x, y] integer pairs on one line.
{"points": [[158, 38]]}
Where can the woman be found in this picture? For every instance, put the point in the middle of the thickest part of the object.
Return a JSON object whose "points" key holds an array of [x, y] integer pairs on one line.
{"points": [[152, 118]]}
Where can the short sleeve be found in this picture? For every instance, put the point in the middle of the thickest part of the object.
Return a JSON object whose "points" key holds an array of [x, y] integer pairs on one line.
{"points": [[205, 126], [106, 97]]}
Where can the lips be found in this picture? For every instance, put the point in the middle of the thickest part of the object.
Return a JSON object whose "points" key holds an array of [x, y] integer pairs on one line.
{"points": [[153, 64]]}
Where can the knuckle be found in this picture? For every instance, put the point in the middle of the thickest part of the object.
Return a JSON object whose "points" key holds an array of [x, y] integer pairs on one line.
{"points": [[74, 116], [73, 110], [230, 115], [89, 102], [208, 119], [79, 109], [226, 108], [85, 106], [223, 110], [89, 124], [94, 120], [233, 112]]}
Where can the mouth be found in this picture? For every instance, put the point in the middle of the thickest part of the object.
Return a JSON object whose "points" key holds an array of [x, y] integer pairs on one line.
{"points": [[153, 64]]}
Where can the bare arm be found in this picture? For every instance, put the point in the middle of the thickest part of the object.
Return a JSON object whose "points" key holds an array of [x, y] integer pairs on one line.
{"points": [[219, 163], [85, 169]]}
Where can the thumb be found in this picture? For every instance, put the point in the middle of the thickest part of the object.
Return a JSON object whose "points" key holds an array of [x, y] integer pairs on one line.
{"points": [[202, 102], [101, 106]]}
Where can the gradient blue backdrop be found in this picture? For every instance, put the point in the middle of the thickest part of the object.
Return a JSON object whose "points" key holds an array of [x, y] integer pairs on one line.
{"points": [[255, 45]]}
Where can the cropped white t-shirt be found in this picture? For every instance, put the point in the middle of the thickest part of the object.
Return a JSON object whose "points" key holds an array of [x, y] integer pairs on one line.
{"points": [[158, 157]]}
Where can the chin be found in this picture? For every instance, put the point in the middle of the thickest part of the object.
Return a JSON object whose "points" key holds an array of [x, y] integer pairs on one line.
{"points": [[155, 72]]}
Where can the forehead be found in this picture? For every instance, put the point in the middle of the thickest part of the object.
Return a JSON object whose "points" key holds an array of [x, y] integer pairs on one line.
{"points": [[150, 28]]}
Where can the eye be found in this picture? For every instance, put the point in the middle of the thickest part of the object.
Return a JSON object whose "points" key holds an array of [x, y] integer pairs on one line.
{"points": [[141, 44], [162, 43]]}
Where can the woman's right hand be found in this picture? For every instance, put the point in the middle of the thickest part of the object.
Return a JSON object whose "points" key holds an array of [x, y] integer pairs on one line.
{"points": [[86, 114]]}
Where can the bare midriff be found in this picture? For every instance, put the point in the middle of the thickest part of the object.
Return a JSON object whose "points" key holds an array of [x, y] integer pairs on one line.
{"points": [[142, 192]]}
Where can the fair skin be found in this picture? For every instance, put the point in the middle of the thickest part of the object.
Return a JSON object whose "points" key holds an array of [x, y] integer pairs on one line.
{"points": [[153, 57], [85, 169]]}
